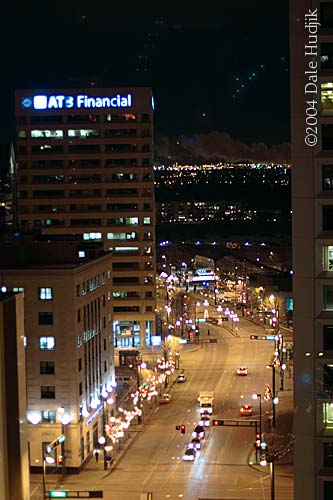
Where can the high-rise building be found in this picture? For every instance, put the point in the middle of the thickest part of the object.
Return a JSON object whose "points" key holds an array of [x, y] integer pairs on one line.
{"points": [[70, 372], [311, 52], [14, 460], [85, 166]]}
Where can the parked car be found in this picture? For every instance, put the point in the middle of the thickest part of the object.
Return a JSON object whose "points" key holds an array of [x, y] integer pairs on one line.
{"points": [[242, 370], [181, 378]]}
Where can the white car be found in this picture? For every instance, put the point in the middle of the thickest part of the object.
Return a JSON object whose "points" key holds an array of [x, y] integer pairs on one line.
{"points": [[204, 421], [242, 370]]}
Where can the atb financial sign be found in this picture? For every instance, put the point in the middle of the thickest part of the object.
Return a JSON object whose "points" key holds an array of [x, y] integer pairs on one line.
{"points": [[80, 101]]}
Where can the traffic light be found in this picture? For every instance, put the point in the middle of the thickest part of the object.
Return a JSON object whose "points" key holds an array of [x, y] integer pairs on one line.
{"points": [[217, 422], [254, 337], [177, 427], [182, 429], [60, 460], [257, 443]]}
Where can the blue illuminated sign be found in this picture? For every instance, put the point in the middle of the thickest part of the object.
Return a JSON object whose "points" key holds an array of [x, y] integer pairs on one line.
{"points": [[81, 101]]}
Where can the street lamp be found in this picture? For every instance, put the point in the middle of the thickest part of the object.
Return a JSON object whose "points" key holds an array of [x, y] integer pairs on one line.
{"points": [[258, 396], [263, 462], [196, 331], [65, 420], [275, 400]]}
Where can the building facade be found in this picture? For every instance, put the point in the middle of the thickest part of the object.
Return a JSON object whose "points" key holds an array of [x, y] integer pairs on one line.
{"points": [[311, 43], [85, 166], [14, 461], [70, 373]]}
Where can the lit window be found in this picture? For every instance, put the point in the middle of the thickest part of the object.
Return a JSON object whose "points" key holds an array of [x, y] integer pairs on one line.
{"points": [[146, 220], [82, 254], [47, 343], [45, 293], [54, 134], [327, 258], [92, 236], [49, 416], [328, 415]]}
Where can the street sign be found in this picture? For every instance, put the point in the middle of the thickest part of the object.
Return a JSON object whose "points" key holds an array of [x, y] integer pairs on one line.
{"points": [[270, 337], [201, 320], [58, 494]]}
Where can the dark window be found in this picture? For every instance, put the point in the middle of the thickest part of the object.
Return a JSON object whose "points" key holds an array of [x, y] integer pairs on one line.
{"points": [[328, 490], [78, 315], [326, 56], [49, 416], [328, 454], [78, 290], [327, 217], [80, 364], [326, 16], [328, 338], [328, 378], [45, 318], [80, 389], [47, 392], [328, 298], [327, 177], [327, 136], [46, 368], [104, 344], [105, 366], [103, 300]]}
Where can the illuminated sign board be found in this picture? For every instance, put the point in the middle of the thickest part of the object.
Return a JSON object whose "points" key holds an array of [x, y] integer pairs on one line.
{"points": [[81, 101], [156, 340]]}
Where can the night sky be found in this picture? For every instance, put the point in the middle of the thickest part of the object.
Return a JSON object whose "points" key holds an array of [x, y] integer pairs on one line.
{"points": [[211, 68]]}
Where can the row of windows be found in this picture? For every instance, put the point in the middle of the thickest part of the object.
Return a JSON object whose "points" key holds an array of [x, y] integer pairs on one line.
{"points": [[82, 133], [88, 118], [77, 179], [84, 148], [85, 163]]}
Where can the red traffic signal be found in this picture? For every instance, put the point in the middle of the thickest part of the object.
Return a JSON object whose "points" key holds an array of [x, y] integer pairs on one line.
{"points": [[182, 429], [254, 337], [60, 460], [217, 422], [257, 443]]}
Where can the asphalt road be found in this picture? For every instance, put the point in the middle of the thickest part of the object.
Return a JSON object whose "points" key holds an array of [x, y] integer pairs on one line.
{"points": [[153, 462]]}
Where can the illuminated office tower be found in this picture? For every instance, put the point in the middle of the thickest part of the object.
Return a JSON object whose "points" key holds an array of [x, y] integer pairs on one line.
{"points": [[85, 167], [311, 51]]}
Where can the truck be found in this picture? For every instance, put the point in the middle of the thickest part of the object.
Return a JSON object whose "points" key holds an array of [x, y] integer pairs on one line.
{"points": [[206, 402]]}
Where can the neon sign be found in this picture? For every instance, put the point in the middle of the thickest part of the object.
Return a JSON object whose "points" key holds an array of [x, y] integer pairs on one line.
{"points": [[81, 101]]}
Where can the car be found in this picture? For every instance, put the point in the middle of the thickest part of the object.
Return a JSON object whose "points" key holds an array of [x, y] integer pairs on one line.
{"points": [[165, 398], [199, 432], [195, 443], [189, 454], [181, 378], [246, 410], [242, 370], [204, 421]]}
